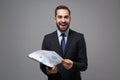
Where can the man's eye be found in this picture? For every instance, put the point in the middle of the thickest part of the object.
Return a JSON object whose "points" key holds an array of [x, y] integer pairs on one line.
{"points": [[59, 16], [66, 17]]}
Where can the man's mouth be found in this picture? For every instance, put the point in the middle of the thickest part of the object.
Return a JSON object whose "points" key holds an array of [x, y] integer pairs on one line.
{"points": [[63, 24]]}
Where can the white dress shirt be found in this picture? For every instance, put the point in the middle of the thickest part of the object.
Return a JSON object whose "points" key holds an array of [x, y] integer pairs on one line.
{"points": [[60, 37]]}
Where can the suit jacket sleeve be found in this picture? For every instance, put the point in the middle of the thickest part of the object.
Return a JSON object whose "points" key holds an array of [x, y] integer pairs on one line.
{"points": [[81, 63], [45, 47]]}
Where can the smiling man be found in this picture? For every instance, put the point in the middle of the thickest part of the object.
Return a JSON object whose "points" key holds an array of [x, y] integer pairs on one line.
{"points": [[62, 19], [69, 44]]}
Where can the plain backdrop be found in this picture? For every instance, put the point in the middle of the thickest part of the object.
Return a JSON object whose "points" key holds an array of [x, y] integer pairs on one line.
{"points": [[23, 24]]}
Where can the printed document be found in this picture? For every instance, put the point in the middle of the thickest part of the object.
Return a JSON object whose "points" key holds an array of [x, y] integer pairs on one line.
{"points": [[49, 58]]}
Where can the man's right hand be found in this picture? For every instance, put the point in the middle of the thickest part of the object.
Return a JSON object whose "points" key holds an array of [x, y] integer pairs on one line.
{"points": [[52, 70]]}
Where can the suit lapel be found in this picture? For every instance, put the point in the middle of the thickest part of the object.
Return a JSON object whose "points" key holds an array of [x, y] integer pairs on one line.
{"points": [[68, 42], [57, 45]]}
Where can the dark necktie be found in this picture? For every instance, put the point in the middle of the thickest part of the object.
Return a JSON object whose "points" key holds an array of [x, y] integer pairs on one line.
{"points": [[63, 42]]}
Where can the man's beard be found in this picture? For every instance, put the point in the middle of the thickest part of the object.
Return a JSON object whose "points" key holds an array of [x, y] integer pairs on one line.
{"points": [[61, 29]]}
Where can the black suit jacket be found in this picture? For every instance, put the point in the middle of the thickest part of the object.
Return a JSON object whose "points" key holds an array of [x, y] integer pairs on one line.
{"points": [[75, 50]]}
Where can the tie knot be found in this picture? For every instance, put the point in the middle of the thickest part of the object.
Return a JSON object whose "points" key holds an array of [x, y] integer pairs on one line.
{"points": [[63, 34]]}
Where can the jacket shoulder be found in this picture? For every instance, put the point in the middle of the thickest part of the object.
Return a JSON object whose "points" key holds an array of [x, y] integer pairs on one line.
{"points": [[77, 34], [50, 35]]}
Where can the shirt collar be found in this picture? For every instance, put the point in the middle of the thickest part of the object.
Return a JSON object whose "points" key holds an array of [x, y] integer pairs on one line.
{"points": [[59, 33]]}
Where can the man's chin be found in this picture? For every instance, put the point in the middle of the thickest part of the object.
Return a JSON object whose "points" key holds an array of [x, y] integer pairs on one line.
{"points": [[63, 30]]}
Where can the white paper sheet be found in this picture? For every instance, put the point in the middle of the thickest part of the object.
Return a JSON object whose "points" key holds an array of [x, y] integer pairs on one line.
{"points": [[49, 58]]}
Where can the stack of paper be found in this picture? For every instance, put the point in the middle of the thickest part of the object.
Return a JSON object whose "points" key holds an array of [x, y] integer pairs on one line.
{"points": [[49, 58]]}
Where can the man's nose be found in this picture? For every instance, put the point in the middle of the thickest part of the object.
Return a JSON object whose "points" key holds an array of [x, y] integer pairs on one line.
{"points": [[63, 19]]}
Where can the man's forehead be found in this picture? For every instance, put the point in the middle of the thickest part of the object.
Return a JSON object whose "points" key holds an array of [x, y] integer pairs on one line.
{"points": [[62, 12]]}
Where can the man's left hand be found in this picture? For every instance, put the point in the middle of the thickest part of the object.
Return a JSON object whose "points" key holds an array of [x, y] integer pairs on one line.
{"points": [[67, 63]]}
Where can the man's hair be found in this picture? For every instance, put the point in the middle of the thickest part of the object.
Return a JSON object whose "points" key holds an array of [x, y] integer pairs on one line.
{"points": [[62, 7]]}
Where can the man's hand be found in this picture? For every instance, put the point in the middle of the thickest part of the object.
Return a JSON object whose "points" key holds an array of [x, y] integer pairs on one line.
{"points": [[67, 63], [52, 70]]}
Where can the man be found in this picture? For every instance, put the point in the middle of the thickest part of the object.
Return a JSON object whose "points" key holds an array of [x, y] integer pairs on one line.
{"points": [[70, 45]]}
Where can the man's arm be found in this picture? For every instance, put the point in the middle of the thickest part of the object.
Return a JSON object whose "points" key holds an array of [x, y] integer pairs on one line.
{"points": [[81, 63], [47, 70]]}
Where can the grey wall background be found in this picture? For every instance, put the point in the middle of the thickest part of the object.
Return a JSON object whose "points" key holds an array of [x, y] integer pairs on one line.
{"points": [[23, 23]]}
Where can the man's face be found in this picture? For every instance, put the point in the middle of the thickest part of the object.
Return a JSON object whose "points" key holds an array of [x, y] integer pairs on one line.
{"points": [[62, 19]]}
